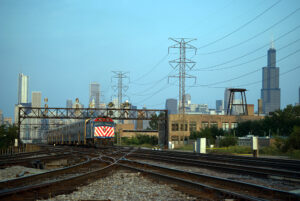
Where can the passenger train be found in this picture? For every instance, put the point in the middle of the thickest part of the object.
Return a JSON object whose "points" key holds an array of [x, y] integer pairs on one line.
{"points": [[92, 132]]}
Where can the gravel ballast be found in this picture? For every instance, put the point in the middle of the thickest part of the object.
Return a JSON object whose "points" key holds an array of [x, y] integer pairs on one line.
{"points": [[124, 185], [18, 171]]}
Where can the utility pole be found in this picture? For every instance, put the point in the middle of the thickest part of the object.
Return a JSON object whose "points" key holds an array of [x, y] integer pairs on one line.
{"points": [[121, 88], [181, 63]]}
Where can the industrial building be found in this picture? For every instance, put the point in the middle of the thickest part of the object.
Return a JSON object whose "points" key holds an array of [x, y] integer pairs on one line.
{"points": [[180, 126]]}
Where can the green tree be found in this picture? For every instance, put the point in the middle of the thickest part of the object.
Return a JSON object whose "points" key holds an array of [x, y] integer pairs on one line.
{"points": [[8, 134], [280, 123], [293, 142], [153, 123]]}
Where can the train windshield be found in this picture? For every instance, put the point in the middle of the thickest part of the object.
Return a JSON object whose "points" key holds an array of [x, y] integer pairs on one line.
{"points": [[97, 123]]}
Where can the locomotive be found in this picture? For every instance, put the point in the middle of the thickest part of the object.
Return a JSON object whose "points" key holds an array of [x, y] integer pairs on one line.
{"points": [[92, 132]]}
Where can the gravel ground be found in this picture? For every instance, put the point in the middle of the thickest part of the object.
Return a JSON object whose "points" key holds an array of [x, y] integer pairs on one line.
{"points": [[124, 185], [13, 172], [276, 184]]}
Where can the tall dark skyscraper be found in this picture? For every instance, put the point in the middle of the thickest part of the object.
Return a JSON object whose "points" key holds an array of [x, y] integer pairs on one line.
{"points": [[270, 92], [171, 106]]}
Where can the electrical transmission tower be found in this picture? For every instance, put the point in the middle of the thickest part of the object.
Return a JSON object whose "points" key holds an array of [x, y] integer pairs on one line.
{"points": [[181, 63], [121, 87]]}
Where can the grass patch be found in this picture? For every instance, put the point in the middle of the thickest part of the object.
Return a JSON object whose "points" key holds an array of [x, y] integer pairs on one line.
{"points": [[186, 147], [295, 154], [230, 150]]}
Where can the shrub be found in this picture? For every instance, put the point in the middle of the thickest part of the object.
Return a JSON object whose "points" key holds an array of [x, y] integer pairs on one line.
{"points": [[293, 141], [228, 141], [140, 139]]}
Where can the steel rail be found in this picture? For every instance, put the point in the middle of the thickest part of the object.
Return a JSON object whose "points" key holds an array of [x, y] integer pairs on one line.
{"points": [[18, 182], [233, 188], [199, 190], [50, 189], [226, 167], [232, 159]]}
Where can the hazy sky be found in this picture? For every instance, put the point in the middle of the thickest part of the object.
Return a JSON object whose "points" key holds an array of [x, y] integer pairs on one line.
{"points": [[63, 46]]}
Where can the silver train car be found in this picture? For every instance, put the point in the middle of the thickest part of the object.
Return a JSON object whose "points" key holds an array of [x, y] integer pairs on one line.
{"points": [[98, 131]]}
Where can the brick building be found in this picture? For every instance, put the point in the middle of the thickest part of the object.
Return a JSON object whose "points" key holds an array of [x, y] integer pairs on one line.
{"points": [[179, 130]]}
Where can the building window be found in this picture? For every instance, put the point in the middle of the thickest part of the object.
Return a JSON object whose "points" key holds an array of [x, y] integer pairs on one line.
{"points": [[234, 125], [213, 124], [174, 127], [225, 126], [204, 125], [183, 127], [174, 138], [193, 126]]}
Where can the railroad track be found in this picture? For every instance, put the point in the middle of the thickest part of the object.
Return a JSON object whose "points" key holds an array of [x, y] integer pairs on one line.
{"points": [[28, 162], [51, 175], [261, 172], [292, 165], [102, 162], [55, 182], [209, 187]]}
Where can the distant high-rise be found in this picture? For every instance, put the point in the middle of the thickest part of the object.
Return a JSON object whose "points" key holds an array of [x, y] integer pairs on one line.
{"points": [[226, 99], [188, 99], [69, 103], [270, 92], [95, 94], [219, 105], [36, 99], [171, 106], [22, 89], [1, 117]]}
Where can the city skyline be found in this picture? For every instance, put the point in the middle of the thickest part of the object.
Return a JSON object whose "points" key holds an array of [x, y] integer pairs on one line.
{"points": [[64, 46]]}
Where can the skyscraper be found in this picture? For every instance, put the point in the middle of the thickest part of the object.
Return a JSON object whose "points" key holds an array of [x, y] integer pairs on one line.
{"points": [[1, 117], [36, 99], [22, 88], [226, 99], [95, 94], [69, 103], [219, 105], [171, 106], [270, 92]]}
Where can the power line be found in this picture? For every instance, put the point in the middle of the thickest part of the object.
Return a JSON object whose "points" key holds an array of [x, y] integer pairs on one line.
{"points": [[259, 81], [153, 94], [242, 26], [251, 38], [151, 87], [251, 52], [252, 60], [152, 69], [245, 74]]}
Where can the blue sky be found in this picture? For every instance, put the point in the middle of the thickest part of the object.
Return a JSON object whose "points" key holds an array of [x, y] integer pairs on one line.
{"points": [[63, 46]]}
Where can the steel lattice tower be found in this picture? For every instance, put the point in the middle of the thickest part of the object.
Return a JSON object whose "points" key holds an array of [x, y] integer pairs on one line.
{"points": [[120, 87], [181, 63]]}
